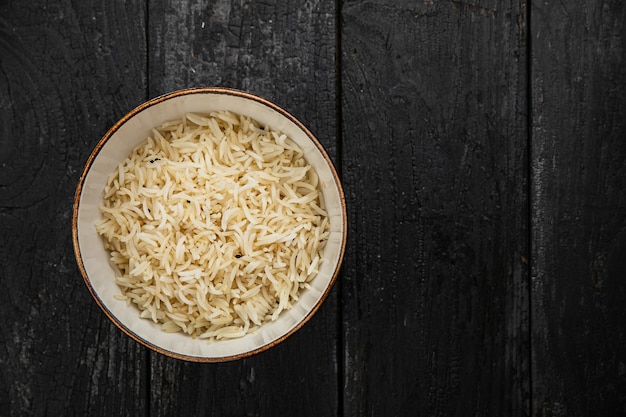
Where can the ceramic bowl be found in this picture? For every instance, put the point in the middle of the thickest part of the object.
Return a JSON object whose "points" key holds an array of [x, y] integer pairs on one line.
{"points": [[93, 259]]}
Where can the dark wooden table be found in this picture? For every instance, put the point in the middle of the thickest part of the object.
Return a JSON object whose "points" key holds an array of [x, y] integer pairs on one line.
{"points": [[482, 147]]}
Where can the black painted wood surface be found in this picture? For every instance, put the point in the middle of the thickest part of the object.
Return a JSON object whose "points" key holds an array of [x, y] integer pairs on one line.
{"points": [[578, 202], [482, 148], [435, 311]]}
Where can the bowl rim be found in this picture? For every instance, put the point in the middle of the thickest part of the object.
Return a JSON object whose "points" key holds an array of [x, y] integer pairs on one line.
{"points": [[107, 136]]}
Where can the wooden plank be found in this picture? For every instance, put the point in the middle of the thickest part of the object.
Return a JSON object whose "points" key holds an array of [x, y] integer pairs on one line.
{"points": [[67, 73], [579, 208], [434, 133], [284, 51]]}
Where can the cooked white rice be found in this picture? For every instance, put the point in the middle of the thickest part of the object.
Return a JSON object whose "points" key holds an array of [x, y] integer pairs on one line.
{"points": [[214, 225]]}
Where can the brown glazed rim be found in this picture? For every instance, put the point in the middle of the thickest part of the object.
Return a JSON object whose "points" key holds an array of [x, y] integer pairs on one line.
{"points": [[98, 148]]}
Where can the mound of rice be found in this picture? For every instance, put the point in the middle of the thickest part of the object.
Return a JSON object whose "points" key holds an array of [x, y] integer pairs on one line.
{"points": [[214, 225]]}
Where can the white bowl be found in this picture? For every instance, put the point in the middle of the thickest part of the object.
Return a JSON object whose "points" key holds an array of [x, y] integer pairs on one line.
{"points": [[93, 259]]}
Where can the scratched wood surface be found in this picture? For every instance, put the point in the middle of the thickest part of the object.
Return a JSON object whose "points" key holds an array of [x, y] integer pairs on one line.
{"points": [[482, 147], [435, 311], [579, 208]]}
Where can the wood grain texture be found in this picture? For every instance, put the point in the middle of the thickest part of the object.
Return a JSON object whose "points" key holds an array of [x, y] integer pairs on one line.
{"points": [[484, 164], [285, 52], [281, 50], [67, 72], [579, 208], [435, 307]]}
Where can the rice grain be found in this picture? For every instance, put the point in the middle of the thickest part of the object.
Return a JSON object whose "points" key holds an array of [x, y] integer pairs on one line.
{"points": [[214, 225]]}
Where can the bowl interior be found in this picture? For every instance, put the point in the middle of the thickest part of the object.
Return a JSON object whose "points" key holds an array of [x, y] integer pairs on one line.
{"points": [[94, 259]]}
